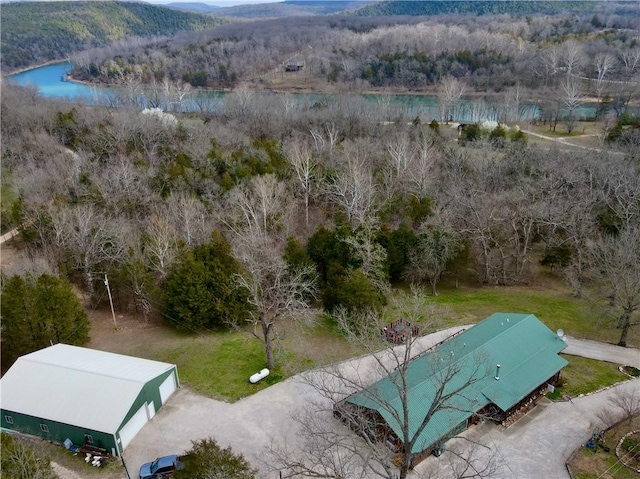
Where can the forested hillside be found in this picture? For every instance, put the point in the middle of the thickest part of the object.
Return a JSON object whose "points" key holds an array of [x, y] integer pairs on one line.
{"points": [[477, 7], [290, 187], [35, 32], [522, 60]]}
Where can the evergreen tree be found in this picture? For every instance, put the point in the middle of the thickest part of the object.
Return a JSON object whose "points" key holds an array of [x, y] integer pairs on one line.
{"points": [[352, 292], [201, 291], [37, 311]]}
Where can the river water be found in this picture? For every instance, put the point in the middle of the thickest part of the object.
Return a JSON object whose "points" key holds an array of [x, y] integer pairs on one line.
{"points": [[49, 80]]}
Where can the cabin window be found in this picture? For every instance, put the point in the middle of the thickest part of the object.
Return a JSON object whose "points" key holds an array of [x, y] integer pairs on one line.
{"points": [[44, 428], [8, 419], [88, 439]]}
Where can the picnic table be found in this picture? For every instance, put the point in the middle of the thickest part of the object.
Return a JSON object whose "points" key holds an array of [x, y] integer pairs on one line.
{"points": [[399, 331]]}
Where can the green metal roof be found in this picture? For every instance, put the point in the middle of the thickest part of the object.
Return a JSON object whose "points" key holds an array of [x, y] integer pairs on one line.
{"points": [[464, 367]]}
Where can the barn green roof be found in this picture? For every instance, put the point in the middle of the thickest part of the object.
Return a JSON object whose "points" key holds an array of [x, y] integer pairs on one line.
{"points": [[465, 367]]}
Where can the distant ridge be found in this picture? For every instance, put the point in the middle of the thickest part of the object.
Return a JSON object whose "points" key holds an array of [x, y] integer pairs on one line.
{"points": [[477, 7], [192, 7], [291, 8]]}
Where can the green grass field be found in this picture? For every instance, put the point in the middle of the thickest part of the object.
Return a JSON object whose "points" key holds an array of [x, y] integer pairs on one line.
{"points": [[583, 375], [555, 307], [219, 364]]}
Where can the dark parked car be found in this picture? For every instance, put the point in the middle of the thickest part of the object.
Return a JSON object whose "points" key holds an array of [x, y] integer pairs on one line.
{"points": [[163, 466]]}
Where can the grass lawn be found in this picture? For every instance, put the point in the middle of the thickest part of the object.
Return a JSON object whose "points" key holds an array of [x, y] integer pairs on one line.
{"points": [[581, 128], [219, 364], [554, 306], [583, 375]]}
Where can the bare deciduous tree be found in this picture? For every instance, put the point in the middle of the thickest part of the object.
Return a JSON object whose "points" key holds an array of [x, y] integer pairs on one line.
{"points": [[399, 150], [572, 99], [261, 207], [189, 218], [353, 188], [89, 238], [623, 404], [631, 61], [572, 57], [617, 262], [370, 253], [239, 103], [627, 402], [275, 290], [329, 450], [464, 459], [604, 62], [449, 94], [299, 154], [160, 247]]}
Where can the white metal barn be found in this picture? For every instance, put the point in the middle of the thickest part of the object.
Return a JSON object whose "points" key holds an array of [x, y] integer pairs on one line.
{"points": [[89, 396]]}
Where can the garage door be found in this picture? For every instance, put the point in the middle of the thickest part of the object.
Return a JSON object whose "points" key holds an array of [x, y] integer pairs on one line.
{"points": [[167, 387], [132, 427]]}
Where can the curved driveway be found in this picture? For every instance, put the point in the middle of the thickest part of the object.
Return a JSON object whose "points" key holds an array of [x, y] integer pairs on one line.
{"points": [[537, 446]]}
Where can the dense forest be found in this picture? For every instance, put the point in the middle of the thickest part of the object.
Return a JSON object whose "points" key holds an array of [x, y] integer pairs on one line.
{"points": [[136, 193], [480, 7], [36, 32], [398, 53]]}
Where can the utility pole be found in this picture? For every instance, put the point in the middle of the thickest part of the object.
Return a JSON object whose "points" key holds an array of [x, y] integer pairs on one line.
{"points": [[113, 313]]}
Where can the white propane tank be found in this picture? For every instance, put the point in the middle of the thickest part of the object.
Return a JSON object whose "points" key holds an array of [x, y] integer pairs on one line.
{"points": [[258, 376]]}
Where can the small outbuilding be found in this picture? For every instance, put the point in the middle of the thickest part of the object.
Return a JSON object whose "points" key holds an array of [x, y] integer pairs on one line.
{"points": [[88, 396], [293, 65], [494, 370]]}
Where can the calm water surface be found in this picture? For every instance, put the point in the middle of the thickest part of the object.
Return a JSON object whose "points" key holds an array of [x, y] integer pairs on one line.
{"points": [[48, 80]]}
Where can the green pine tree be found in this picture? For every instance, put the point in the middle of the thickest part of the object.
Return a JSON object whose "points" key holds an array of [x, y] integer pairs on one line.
{"points": [[39, 310], [201, 290]]}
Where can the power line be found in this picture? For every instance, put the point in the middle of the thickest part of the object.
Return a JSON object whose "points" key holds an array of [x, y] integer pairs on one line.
{"points": [[619, 462]]}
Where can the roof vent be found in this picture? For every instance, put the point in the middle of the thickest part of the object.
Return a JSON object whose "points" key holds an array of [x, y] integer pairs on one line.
{"points": [[497, 372]]}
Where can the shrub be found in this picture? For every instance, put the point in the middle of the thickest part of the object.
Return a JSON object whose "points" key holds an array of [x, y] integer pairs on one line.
{"points": [[470, 133], [498, 136], [631, 370], [207, 460], [20, 461]]}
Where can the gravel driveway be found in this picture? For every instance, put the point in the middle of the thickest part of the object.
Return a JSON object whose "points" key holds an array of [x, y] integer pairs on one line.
{"points": [[248, 425], [536, 446]]}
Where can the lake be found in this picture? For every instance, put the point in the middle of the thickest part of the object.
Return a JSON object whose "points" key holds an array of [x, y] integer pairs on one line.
{"points": [[49, 81]]}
